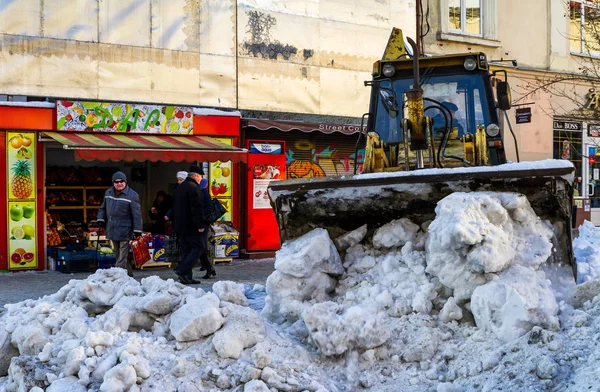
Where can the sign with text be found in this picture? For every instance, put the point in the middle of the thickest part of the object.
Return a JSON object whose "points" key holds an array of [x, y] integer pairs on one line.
{"points": [[123, 117], [523, 115], [593, 130], [567, 126]]}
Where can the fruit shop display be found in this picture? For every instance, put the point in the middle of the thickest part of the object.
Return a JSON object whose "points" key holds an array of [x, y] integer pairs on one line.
{"points": [[53, 237], [68, 176]]}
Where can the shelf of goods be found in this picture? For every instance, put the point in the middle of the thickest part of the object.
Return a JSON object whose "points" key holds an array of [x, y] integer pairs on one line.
{"points": [[84, 198]]}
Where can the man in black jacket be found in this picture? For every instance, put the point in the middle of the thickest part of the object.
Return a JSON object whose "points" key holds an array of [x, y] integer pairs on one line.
{"points": [[189, 222]]}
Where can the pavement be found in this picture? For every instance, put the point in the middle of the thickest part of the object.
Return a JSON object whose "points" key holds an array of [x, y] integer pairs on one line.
{"points": [[19, 286]]}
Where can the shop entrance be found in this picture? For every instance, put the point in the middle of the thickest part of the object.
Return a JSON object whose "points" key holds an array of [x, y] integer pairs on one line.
{"points": [[593, 183]]}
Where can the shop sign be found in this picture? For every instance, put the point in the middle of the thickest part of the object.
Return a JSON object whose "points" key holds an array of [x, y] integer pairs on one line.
{"points": [[220, 183], [263, 175], [523, 115], [123, 117], [567, 126], [265, 148], [594, 130], [20, 166]]}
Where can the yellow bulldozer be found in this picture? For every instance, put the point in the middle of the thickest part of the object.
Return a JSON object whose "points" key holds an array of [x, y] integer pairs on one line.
{"points": [[433, 128]]}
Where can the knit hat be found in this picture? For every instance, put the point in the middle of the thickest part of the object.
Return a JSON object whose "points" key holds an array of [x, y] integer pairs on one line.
{"points": [[119, 176], [196, 169], [182, 174]]}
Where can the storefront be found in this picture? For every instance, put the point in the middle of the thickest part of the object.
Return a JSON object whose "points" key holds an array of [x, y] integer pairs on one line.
{"points": [[60, 159], [285, 150]]}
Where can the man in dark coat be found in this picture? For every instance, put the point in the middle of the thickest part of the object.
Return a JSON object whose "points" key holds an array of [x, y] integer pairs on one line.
{"points": [[208, 207], [189, 222], [121, 214]]}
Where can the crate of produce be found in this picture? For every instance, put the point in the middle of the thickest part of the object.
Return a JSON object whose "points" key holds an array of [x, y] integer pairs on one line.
{"points": [[72, 261]]}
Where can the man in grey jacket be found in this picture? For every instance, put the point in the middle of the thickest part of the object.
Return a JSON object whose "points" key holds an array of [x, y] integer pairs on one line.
{"points": [[121, 214]]}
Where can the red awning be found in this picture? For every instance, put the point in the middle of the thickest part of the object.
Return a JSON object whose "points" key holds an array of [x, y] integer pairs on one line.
{"points": [[147, 147], [286, 126]]}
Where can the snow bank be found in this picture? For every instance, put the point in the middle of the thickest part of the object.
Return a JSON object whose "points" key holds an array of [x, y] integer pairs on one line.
{"points": [[586, 248], [376, 319]]}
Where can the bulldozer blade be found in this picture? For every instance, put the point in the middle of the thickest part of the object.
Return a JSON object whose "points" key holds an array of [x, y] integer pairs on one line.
{"points": [[343, 203]]}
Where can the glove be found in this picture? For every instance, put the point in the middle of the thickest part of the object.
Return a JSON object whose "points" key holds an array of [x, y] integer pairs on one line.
{"points": [[101, 224]]}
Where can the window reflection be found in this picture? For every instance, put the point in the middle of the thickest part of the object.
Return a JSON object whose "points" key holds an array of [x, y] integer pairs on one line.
{"points": [[455, 14], [575, 26], [473, 17]]}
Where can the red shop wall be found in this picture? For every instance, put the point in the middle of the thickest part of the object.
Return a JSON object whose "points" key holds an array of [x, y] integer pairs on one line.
{"points": [[224, 126]]}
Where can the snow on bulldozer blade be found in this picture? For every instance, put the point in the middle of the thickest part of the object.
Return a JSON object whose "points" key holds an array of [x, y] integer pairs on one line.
{"points": [[339, 204], [459, 304]]}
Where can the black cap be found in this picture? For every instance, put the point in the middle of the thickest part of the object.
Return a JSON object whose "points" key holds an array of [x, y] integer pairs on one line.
{"points": [[196, 169]]}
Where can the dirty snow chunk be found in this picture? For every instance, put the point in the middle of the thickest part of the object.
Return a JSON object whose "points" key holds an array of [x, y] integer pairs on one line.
{"points": [[7, 351], [311, 252], [256, 386], [448, 387], [197, 318], [451, 311], [351, 238], [335, 330], [30, 338], [67, 384], [74, 361], [476, 234], [286, 291], [395, 234], [230, 291], [584, 292], [514, 303], [546, 368], [586, 249], [100, 338], [120, 378], [243, 328]]}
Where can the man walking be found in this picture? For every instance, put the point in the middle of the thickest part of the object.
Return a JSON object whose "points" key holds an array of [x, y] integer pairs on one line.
{"points": [[189, 222], [121, 214]]}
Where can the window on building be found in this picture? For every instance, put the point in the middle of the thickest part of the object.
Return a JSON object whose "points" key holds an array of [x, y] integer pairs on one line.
{"points": [[584, 28], [465, 16], [469, 21], [567, 145]]}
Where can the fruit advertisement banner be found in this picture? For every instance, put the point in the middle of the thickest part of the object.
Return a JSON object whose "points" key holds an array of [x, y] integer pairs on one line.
{"points": [[123, 117], [20, 161], [220, 183], [21, 231], [21, 190]]}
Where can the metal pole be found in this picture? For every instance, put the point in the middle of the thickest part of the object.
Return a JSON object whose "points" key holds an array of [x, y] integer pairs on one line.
{"points": [[417, 53]]}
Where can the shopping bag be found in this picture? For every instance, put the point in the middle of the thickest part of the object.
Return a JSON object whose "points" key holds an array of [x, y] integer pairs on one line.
{"points": [[218, 210], [171, 249], [141, 253]]}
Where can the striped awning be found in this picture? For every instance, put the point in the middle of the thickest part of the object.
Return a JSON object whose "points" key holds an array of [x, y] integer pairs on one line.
{"points": [[151, 147]]}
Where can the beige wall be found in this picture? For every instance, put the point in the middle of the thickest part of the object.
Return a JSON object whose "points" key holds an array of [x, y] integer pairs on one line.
{"points": [[199, 52]]}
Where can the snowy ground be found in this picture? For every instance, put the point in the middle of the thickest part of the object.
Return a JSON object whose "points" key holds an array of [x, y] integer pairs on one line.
{"points": [[461, 304]]}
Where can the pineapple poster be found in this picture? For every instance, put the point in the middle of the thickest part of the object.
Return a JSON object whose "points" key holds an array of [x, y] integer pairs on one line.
{"points": [[21, 200]]}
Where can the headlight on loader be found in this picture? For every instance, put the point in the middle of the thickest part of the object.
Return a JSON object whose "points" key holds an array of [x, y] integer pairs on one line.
{"points": [[492, 130], [470, 64], [389, 70]]}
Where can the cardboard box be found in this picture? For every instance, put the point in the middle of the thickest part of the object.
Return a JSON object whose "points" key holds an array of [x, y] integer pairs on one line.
{"points": [[225, 240]]}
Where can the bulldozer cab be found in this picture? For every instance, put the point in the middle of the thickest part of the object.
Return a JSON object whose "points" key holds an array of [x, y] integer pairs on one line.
{"points": [[458, 98]]}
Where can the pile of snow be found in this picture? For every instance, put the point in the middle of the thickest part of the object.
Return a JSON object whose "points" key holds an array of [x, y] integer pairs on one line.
{"points": [[457, 304], [586, 248]]}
